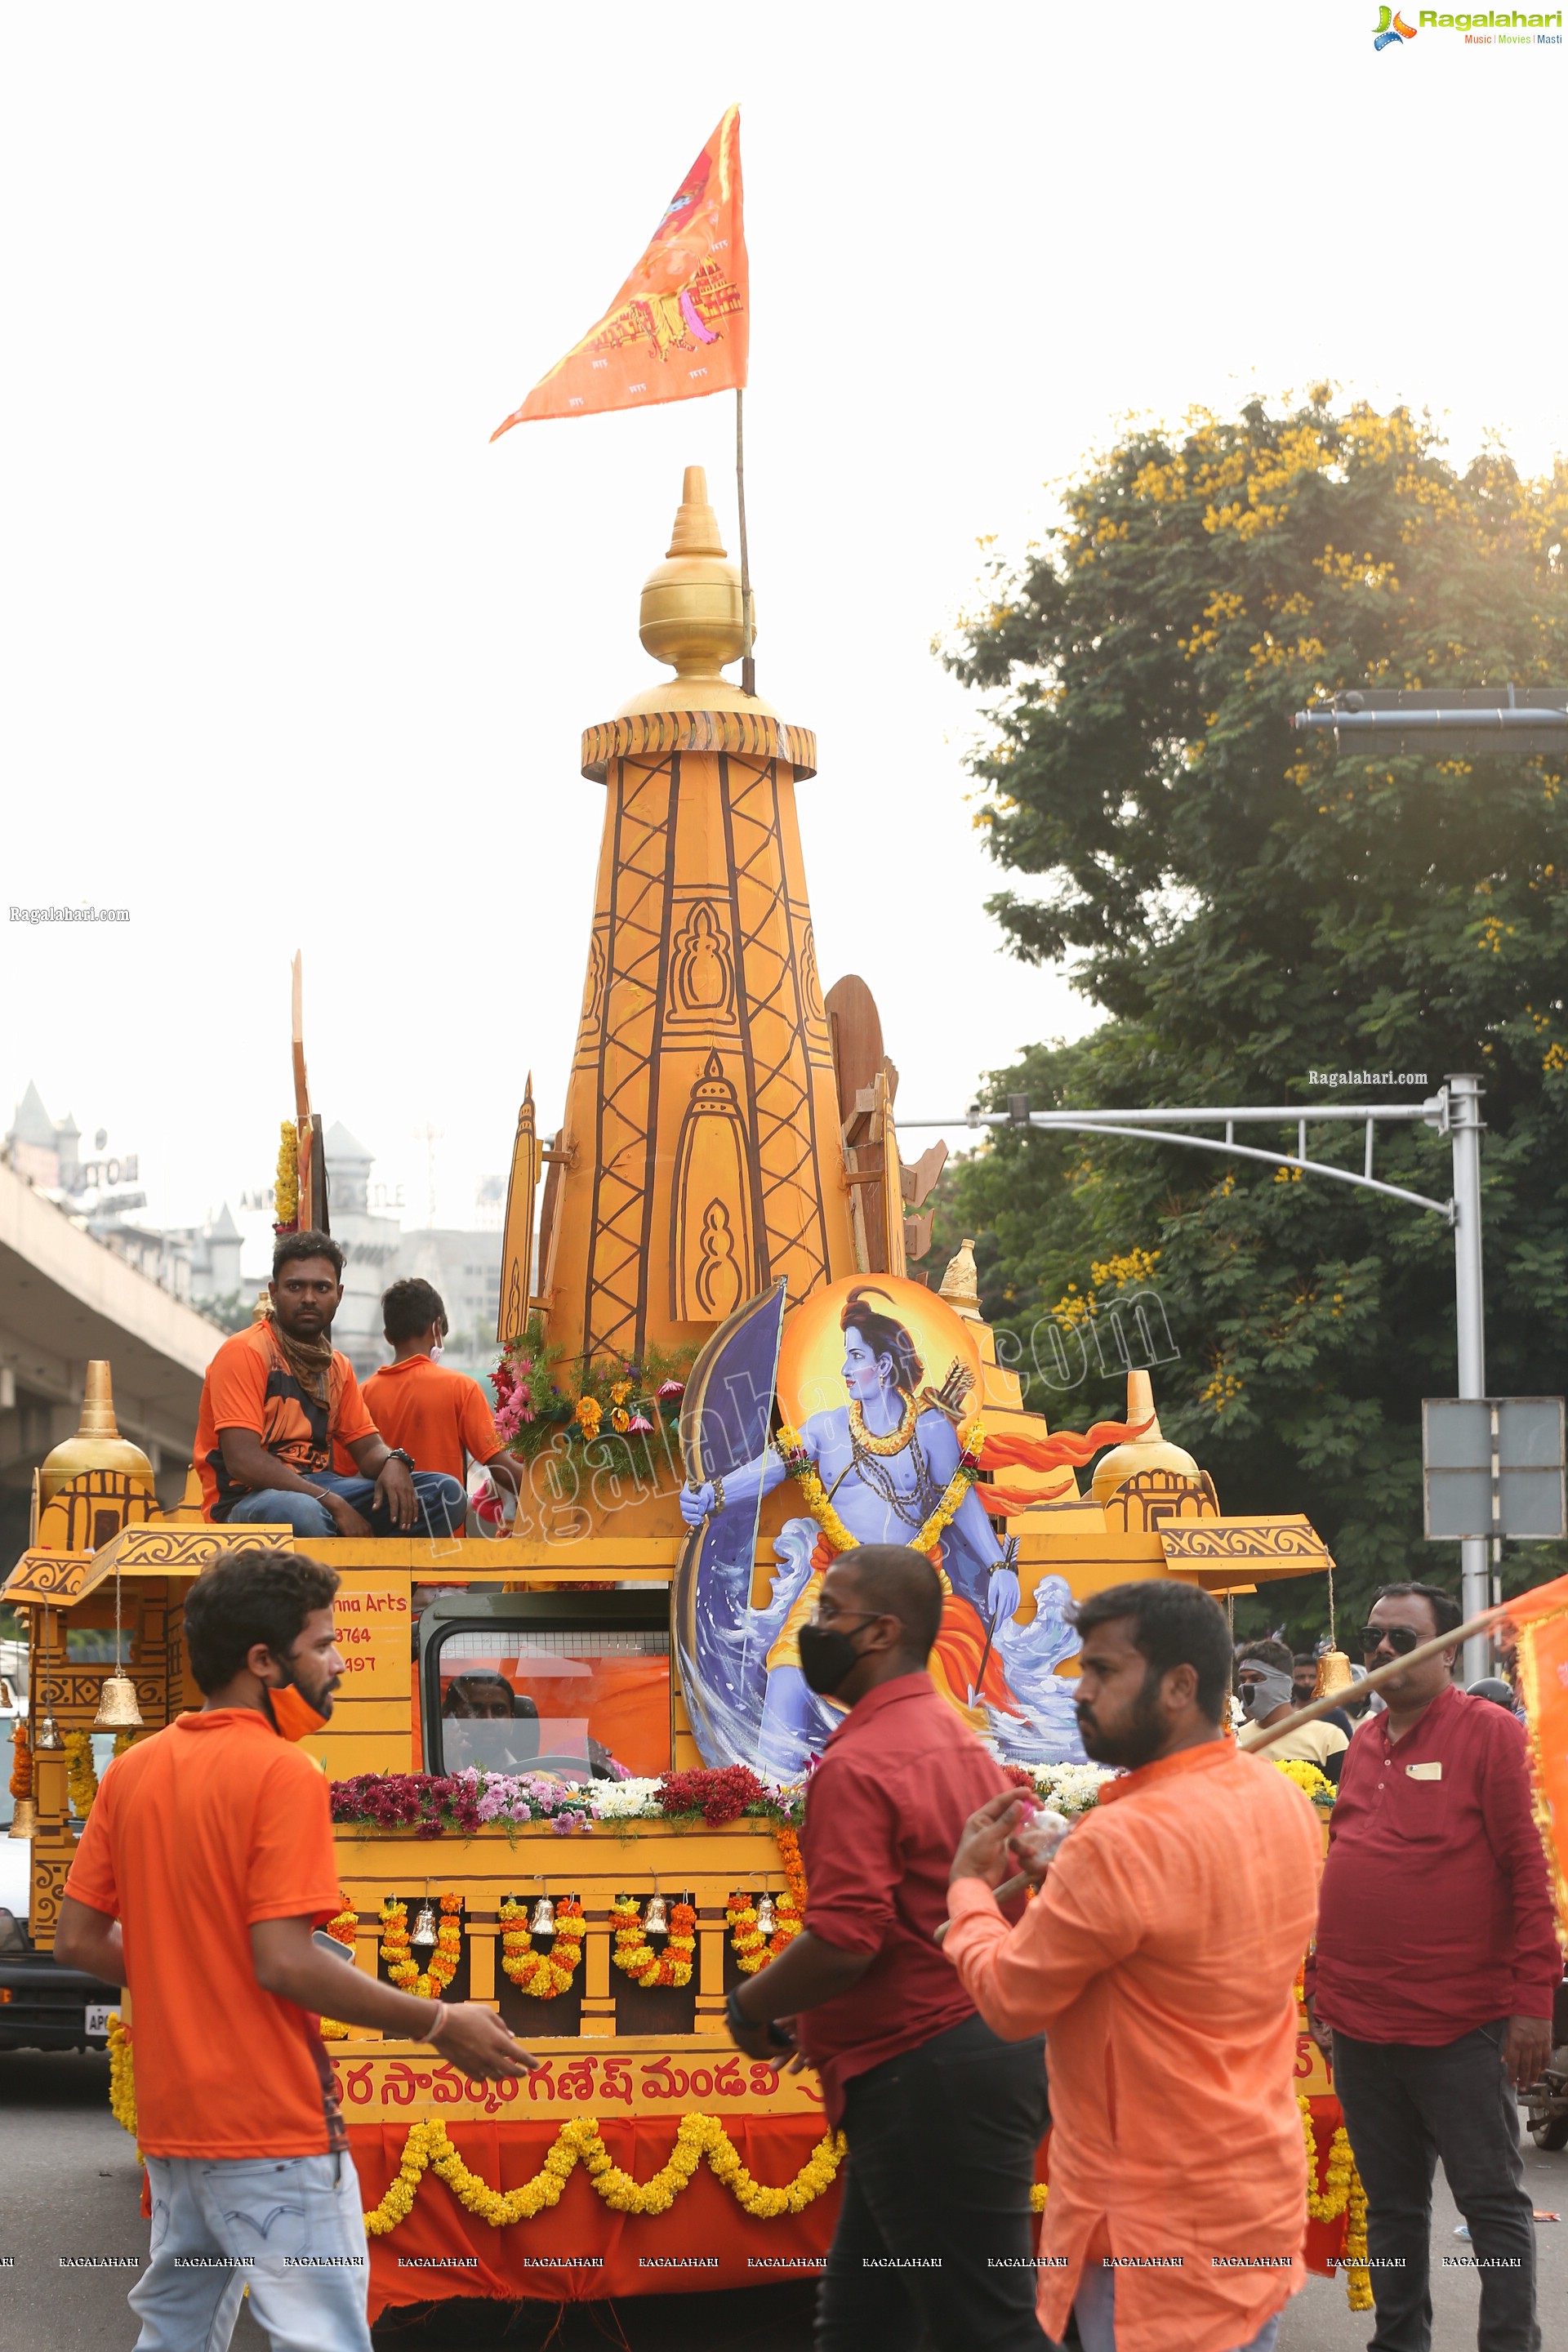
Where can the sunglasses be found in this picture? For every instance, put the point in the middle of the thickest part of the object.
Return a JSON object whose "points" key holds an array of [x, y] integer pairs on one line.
{"points": [[1400, 1639]]}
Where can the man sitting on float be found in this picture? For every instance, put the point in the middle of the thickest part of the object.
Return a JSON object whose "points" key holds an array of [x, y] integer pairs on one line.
{"points": [[886, 1460], [276, 1399]]}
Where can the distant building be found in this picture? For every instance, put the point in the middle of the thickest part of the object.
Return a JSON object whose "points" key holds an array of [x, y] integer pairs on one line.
{"points": [[465, 1267], [371, 1244], [198, 1264]]}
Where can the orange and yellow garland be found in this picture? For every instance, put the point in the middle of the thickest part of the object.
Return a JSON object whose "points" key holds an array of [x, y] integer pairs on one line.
{"points": [[636, 1955], [542, 1974], [752, 1950], [21, 1760], [427, 1984], [343, 1928]]}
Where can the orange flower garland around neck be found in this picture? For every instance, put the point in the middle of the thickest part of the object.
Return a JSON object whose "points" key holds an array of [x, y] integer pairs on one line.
{"points": [[636, 1955], [425, 1984], [542, 1974]]}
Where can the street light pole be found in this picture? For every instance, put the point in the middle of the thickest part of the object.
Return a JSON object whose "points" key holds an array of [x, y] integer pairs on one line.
{"points": [[1464, 1129]]}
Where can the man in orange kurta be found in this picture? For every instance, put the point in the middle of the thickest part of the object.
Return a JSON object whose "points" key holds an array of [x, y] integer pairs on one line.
{"points": [[1159, 1956]]}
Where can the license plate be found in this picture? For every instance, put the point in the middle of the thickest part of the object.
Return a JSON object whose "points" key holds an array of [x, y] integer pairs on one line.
{"points": [[97, 2016]]}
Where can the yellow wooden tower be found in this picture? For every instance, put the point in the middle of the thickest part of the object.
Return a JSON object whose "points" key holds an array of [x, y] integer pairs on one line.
{"points": [[701, 1156]]}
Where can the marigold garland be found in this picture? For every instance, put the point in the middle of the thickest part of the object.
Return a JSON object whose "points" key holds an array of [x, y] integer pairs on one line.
{"points": [[787, 1840], [752, 1950], [343, 1928], [804, 1471], [285, 1184], [21, 1760], [542, 1974], [1316, 1784], [636, 1955], [121, 2076], [1342, 2192], [81, 1773], [697, 2136], [425, 1984]]}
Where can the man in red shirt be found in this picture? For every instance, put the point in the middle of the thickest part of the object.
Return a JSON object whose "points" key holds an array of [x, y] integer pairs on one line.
{"points": [[1434, 1973], [276, 1401], [934, 2243], [206, 1865]]}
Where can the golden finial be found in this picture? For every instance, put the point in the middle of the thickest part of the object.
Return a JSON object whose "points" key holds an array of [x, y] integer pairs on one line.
{"points": [[961, 1283], [1149, 1452], [97, 1446], [691, 617]]}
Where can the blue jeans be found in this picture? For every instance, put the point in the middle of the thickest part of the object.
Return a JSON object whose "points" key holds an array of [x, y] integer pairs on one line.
{"points": [[292, 2228], [443, 1506], [1094, 2308]]}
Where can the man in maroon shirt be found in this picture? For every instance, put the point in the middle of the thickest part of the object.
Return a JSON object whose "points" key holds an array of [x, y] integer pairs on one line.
{"points": [[1433, 1976], [934, 2243]]}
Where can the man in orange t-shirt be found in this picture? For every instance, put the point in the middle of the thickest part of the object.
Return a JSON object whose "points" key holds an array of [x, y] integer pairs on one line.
{"points": [[1160, 1957], [439, 1417], [204, 1867], [276, 1401]]}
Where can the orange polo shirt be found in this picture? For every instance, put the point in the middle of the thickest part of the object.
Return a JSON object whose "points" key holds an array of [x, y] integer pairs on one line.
{"points": [[437, 1414], [193, 1836], [1161, 1957]]}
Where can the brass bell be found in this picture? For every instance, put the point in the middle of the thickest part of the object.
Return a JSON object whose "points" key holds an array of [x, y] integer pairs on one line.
{"points": [[48, 1735], [1333, 1673], [543, 1920], [117, 1708], [656, 1918], [24, 1820], [425, 1925], [766, 1915]]}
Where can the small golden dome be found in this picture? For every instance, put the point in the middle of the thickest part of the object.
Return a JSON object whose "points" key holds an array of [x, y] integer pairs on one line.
{"points": [[691, 615], [961, 1283], [97, 1446], [1149, 1452]]}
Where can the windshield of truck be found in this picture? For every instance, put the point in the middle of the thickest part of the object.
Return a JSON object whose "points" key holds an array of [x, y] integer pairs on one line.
{"points": [[573, 1706]]}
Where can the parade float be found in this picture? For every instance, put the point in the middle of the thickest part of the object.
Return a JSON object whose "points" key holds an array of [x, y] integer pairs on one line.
{"points": [[566, 1761]]}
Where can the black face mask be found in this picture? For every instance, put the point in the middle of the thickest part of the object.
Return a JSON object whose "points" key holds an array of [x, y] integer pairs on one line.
{"points": [[827, 1657]]}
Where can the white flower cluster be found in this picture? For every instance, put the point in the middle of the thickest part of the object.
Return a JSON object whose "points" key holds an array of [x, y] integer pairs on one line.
{"points": [[1072, 1789], [625, 1800]]}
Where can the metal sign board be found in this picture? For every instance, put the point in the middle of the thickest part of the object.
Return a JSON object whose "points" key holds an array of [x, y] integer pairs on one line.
{"points": [[1493, 1466]]}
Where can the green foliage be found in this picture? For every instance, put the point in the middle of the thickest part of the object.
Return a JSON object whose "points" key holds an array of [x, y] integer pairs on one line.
{"points": [[1249, 908], [587, 1411], [231, 1312]]}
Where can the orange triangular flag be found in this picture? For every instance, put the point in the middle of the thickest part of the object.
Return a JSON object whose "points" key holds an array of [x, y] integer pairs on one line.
{"points": [[678, 327]]}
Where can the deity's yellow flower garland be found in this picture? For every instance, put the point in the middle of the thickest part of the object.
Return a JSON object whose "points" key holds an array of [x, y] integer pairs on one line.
{"points": [[636, 1955], [578, 2142], [542, 1974], [425, 1984], [343, 1928], [751, 1948], [1342, 2192], [804, 1471]]}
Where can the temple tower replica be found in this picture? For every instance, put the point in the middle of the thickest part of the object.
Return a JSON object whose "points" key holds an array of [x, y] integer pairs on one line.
{"points": [[702, 1157]]}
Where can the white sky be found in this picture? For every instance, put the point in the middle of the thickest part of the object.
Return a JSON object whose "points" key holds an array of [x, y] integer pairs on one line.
{"points": [[296, 658]]}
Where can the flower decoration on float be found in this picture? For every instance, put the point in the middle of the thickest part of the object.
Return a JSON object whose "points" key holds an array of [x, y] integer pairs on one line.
{"points": [[81, 1773], [697, 2136], [343, 1928], [428, 1983], [616, 1405], [759, 1932], [636, 1955], [542, 1975], [1314, 1783], [286, 1186]]}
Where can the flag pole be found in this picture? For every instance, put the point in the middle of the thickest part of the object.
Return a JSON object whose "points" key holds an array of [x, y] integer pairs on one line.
{"points": [[748, 665]]}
